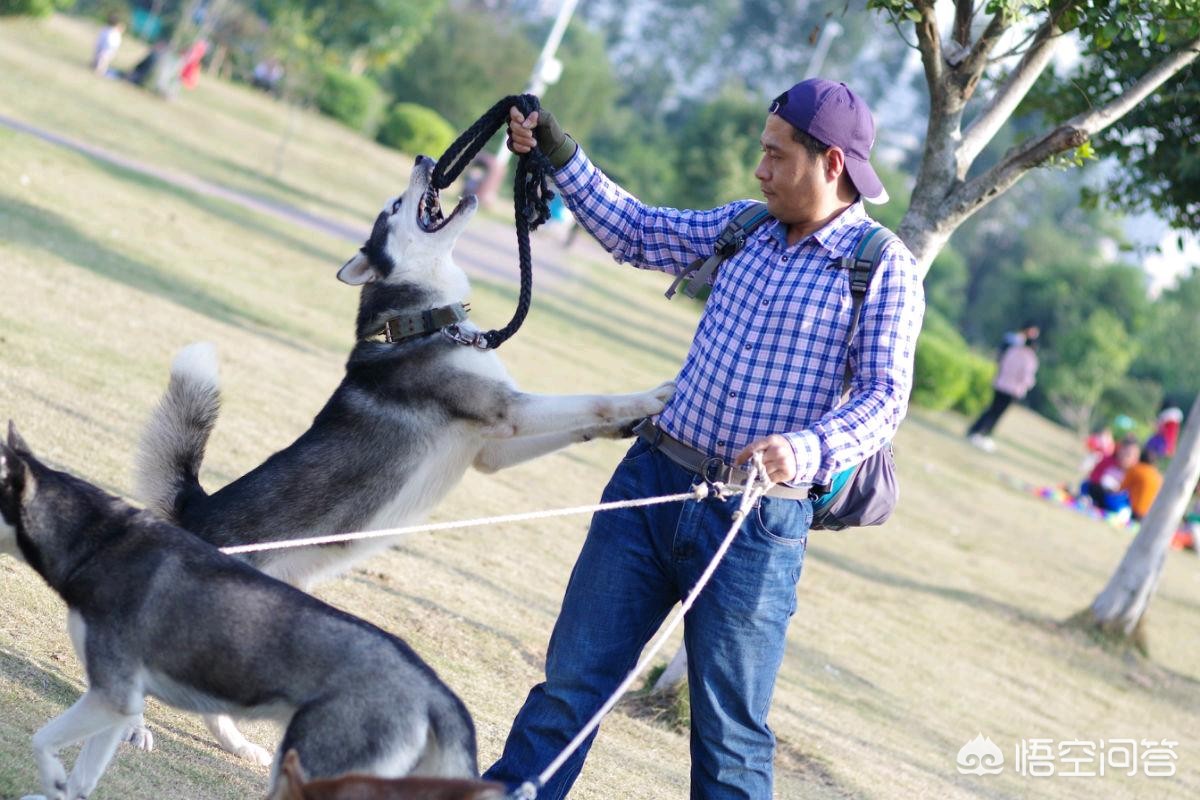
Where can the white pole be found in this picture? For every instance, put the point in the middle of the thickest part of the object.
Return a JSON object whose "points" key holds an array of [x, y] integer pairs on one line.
{"points": [[546, 71]]}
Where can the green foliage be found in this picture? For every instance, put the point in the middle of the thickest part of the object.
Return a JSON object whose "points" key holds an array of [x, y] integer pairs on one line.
{"points": [[588, 90], [32, 8], [941, 374], [947, 373], [1137, 398], [468, 60], [1085, 360], [1167, 344], [347, 98], [360, 33], [415, 129], [717, 150]]}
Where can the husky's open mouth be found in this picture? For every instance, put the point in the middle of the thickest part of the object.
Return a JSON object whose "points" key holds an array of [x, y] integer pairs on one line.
{"points": [[429, 212]]}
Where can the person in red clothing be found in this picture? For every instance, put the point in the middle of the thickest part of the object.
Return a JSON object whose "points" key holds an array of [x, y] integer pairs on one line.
{"points": [[189, 70], [1104, 483], [1164, 439], [1142, 482]]}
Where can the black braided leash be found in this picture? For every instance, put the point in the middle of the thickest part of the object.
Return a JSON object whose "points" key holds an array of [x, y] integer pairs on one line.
{"points": [[531, 195]]}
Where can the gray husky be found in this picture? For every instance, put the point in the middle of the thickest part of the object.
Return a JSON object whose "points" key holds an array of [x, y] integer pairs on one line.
{"points": [[413, 412], [155, 611]]}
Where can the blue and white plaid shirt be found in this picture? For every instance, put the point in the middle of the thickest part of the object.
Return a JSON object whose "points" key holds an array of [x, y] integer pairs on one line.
{"points": [[769, 355]]}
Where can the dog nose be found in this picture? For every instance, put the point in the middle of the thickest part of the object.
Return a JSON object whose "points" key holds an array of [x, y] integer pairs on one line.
{"points": [[422, 159]]}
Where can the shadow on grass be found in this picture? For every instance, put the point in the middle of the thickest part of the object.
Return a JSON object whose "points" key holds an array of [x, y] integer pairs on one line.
{"points": [[972, 599], [618, 330], [30, 226], [290, 190], [47, 683], [227, 211], [532, 659]]}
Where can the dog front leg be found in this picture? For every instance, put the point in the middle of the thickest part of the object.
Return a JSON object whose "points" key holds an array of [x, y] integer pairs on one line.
{"points": [[90, 715], [500, 454], [93, 761], [232, 741], [538, 414]]}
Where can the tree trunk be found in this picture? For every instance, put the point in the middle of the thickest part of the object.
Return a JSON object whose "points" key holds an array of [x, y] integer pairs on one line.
{"points": [[675, 673], [1118, 610]]}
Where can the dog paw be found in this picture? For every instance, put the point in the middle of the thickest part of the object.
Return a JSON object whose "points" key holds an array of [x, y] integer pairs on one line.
{"points": [[655, 400], [254, 754], [140, 737]]}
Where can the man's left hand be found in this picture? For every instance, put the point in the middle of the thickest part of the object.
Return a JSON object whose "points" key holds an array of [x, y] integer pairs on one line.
{"points": [[777, 455]]}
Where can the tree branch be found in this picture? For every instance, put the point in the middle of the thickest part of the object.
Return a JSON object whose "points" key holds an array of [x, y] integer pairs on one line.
{"points": [[969, 197], [977, 59], [964, 12], [929, 39], [1000, 108]]}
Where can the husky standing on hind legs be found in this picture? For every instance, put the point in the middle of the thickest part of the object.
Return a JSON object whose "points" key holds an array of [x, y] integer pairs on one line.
{"points": [[154, 611], [413, 412]]}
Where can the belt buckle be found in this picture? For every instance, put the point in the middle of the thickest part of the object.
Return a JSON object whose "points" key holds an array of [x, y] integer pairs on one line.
{"points": [[710, 469]]}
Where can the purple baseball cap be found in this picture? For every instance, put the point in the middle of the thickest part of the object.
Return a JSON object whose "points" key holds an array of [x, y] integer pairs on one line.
{"points": [[834, 115]]}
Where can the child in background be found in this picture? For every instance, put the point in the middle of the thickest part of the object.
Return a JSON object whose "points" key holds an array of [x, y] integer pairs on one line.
{"points": [[1164, 439], [107, 44], [1142, 482], [1104, 483]]}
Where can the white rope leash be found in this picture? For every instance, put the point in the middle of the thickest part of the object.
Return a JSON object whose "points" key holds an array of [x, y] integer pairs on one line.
{"points": [[699, 492], [757, 484]]}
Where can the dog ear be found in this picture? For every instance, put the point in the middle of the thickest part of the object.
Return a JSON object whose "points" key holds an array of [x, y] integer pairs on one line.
{"points": [[13, 473], [358, 270], [16, 442]]}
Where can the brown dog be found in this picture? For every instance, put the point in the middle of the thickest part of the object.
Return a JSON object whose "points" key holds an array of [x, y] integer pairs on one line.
{"points": [[294, 785]]}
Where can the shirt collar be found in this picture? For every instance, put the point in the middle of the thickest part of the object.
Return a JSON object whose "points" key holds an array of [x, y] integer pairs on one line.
{"points": [[838, 238]]}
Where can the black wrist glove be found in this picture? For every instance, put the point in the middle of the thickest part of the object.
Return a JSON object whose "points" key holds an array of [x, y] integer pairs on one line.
{"points": [[552, 140]]}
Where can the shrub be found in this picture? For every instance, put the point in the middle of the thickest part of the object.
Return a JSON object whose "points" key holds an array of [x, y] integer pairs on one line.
{"points": [[978, 392], [941, 375], [416, 129], [350, 99], [32, 8]]}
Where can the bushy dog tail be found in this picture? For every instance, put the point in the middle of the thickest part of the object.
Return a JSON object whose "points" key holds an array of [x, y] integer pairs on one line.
{"points": [[172, 445], [451, 750]]}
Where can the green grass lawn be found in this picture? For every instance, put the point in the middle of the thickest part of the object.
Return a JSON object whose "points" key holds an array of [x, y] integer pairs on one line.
{"points": [[909, 639]]}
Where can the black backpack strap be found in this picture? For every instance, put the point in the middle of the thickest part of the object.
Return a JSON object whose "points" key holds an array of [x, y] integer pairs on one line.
{"points": [[862, 266], [703, 271]]}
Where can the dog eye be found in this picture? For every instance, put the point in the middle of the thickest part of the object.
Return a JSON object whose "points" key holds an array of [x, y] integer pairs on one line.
{"points": [[396, 205]]}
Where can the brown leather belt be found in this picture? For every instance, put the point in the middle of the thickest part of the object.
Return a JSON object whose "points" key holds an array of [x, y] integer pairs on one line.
{"points": [[710, 468]]}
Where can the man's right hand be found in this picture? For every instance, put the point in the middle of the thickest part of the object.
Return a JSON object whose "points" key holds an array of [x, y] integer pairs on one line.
{"points": [[520, 131], [542, 129]]}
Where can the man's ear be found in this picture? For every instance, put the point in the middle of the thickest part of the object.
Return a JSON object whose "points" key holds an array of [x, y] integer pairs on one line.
{"points": [[15, 441], [358, 270]]}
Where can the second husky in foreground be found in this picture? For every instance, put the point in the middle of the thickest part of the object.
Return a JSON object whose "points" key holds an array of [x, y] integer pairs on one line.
{"points": [[154, 611], [411, 415]]}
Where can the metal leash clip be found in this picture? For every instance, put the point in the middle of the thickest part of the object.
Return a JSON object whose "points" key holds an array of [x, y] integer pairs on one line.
{"points": [[456, 334]]}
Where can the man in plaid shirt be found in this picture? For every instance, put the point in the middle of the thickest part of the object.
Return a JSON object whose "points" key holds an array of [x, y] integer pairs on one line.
{"points": [[764, 375]]}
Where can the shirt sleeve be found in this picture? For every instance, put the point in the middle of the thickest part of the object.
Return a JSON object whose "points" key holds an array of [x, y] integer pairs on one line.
{"points": [[648, 237], [881, 358]]}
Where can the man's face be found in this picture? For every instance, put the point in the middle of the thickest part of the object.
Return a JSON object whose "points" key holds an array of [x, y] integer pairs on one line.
{"points": [[793, 182], [1127, 455]]}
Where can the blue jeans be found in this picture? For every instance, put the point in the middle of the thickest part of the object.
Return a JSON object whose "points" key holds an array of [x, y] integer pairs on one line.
{"points": [[634, 566]]}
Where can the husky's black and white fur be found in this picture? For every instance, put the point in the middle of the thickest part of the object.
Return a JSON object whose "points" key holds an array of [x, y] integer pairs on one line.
{"points": [[155, 611], [399, 432]]}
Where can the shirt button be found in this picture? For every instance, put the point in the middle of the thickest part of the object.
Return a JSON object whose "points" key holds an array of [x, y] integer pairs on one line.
{"points": [[748, 347], [766, 302], [784, 259], [733, 394], [721, 443]]}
